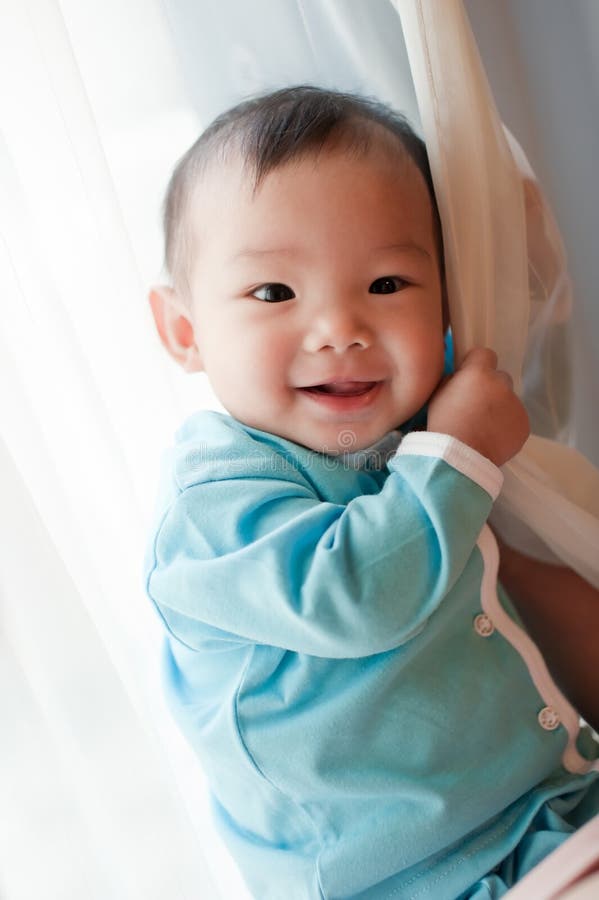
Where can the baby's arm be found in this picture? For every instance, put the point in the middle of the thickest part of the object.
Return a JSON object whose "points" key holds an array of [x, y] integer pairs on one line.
{"points": [[249, 548], [561, 611]]}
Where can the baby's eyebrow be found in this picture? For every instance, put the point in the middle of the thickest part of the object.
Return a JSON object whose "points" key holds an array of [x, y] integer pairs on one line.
{"points": [[255, 252], [252, 252], [407, 247]]}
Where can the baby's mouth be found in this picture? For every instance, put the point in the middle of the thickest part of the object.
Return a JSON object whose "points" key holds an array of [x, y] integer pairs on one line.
{"points": [[342, 389]]}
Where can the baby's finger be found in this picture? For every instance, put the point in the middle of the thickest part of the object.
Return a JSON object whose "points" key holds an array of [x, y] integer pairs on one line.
{"points": [[483, 357]]}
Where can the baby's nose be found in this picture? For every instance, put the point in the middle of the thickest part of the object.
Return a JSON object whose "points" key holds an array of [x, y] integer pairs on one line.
{"points": [[337, 328]]}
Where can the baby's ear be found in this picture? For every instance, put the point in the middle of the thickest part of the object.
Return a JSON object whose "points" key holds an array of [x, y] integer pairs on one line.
{"points": [[174, 325]]}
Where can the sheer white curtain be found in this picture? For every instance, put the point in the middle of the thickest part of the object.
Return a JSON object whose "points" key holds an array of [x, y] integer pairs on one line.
{"points": [[93, 110], [99, 795]]}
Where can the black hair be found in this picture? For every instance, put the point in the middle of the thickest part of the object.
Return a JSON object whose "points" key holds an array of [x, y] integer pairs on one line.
{"points": [[275, 128]]}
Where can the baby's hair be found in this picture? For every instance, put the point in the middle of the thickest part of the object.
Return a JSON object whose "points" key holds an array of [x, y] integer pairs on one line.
{"points": [[275, 128]]}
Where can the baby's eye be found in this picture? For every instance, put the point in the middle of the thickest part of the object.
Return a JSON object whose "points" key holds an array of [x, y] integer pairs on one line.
{"points": [[273, 293], [388, 285]]}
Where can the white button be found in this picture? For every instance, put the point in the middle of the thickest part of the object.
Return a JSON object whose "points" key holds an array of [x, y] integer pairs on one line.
{"points": [[483, 625], [548, 718]]}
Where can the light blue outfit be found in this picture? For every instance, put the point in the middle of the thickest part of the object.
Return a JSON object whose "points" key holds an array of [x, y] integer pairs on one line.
{"points": [[336, 652]]}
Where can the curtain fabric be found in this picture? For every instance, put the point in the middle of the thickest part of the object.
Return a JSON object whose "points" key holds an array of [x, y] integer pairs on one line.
{"points": [[89, 797], [549, 505], [100, 795]]}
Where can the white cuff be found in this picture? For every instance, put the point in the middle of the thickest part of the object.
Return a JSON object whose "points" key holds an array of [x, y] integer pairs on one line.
{"points": [[457, 454]]}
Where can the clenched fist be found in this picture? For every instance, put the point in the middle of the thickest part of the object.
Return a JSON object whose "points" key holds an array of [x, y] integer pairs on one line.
{"points": [[478, 406]]}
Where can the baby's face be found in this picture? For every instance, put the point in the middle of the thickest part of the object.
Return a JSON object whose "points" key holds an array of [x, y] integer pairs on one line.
{"points": [[316, 304]]}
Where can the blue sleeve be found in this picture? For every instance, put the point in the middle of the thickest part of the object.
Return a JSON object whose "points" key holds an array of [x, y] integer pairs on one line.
{"points": [[264, 560]]}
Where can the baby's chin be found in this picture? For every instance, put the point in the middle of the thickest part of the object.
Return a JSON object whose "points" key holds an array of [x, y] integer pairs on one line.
{"points": [[329, 440]]}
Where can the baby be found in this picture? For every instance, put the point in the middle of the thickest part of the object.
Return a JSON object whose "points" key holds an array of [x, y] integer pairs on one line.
{"points": [[372, 716]]}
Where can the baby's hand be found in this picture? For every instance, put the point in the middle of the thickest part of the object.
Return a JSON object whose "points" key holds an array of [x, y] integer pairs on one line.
{"points": [[478, 406]]}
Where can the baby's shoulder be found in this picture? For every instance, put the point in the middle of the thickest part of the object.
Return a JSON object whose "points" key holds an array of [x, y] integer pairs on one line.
{"points": [[212, 446]]}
